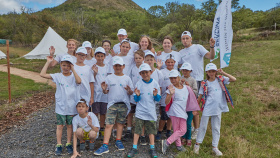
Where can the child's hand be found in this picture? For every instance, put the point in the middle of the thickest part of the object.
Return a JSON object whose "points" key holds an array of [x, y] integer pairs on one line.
{"points": [[95, 68], [75, 154], [91, 101], [89, 121], [159, 53], [212, 42], [171, 89], [113, 53], [72, 67], [127, 88], [137, 91], [52, 50], [155, 91], [104, 86], [221, 71], [159, 63], [49, 59]]}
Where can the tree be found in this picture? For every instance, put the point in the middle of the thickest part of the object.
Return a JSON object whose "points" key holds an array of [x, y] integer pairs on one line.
{"points": [[209, 7], [234, 3]]}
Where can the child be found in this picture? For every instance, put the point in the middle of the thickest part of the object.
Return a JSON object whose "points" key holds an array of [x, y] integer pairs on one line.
{"points": [[147, 91], [182, 99], [186, 79], [135, 77], [66, 97], [71, 46], [118, 86], [85, 127], [214, 96], [106, 44], [90, 61], [86, 74], [101, 99], [169, 62]]}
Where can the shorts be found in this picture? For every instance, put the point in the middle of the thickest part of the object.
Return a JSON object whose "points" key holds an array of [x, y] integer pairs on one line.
{"points": [[163, 115], [86, 137], [150, 126], [99, 108], [116, 113], [61, 119], [133, 108]]}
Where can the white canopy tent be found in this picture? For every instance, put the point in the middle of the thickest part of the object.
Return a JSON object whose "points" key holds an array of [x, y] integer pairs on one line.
{"points": [[2, 55], [51, 38]]}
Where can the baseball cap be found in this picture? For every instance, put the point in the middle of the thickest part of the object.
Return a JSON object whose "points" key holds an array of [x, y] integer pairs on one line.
{"points": [[126, 40], [82, 50], [144, 67], [68, 58], [122, 32], [149, 53], [81, 101], [100, 50], [117, 60], [174, 73], [210, 66], [87, 44], [186, 33], [170, 56], [186, 66]]}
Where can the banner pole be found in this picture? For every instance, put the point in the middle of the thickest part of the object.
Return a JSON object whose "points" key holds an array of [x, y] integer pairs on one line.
{"points": [[9, 77]]}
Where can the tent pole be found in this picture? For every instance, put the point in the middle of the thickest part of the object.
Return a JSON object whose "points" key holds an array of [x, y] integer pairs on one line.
{"points": [[8, 66]]}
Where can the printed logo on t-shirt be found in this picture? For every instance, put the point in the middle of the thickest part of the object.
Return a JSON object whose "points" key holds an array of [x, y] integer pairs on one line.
{"points": [[81, 74], [112, 84], [61, 84]]}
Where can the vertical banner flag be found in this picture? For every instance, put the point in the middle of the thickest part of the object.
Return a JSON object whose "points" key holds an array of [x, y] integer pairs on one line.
{"points": [[223, 33]]}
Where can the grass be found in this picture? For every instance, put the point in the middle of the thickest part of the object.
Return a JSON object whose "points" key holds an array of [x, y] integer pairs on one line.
{"points": [[251, 129]]}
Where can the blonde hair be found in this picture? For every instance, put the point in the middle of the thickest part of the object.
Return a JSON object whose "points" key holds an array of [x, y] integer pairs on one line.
{"points": [[76, 43], [140, 53], [150, 46]]}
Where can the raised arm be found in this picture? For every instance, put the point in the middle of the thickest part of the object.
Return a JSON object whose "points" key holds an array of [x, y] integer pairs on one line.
{"points": [[43, 72], [77, 78], [211, 54], [231, 78]]}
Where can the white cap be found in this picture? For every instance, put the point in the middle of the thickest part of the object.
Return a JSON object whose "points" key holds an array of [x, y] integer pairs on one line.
{"points": [[122, 32], [144, 67], [149, 53], [87, 44], [174, 73], [186, 33], [82, 50], [81, 101], [210, 66], [100, 50], [126, 40], [186, 66], [170, 56], [117, 60], [68, 58]]}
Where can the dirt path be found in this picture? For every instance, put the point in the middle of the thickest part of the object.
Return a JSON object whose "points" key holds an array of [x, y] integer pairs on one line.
{"points": [[27, 74]]}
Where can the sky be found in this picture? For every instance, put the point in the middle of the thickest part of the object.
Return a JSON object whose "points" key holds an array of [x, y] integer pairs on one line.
{"points": [[37, 5]]}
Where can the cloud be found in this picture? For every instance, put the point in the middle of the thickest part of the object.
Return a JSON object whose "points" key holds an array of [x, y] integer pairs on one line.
{"points": [[9, 5]]}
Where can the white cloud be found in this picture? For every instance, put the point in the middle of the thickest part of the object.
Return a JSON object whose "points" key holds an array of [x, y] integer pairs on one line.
{"points": [[9, 5]]}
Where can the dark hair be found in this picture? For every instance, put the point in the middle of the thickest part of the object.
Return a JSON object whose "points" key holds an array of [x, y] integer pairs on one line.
{"points": [[99, 53], [140, 53], [207, 77], [106, 41], [169, 38]]}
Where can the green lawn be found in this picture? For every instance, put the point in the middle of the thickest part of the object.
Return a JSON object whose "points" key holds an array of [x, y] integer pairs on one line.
{"points": [[252, 128]]}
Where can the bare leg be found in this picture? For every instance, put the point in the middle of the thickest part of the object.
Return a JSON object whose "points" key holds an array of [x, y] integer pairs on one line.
{"points": [[196, 121], [152, 139], [119, 131], [59, 129], [69, 133], [102, 121], [107, 133], [129, 119], [161, 125], [169, 124], [135, 139]]}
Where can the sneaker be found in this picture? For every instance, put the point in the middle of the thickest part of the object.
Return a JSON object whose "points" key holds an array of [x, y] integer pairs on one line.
{"points": [[58, 150], [196, 149], [189, 143], [114, 133], [132, 152], [91, 146], [82, 146], [103, 149], [69, 148], [153, 153], [194, 134], [168, 135], [217, 152], [143, 140], [181, 148], [158, 136], [119, 145], [192, 128], [164, 146]]}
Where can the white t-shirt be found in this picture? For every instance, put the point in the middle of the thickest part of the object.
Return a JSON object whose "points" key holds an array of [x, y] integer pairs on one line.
{"points": [[146, 107], [117, 93], [158, 76], [107, 59], [128, 61], [194, 55], [179, 104], [79, 122], [86, 74], [176, 55], [216, 102], [134, 47], [166, 82], [67, 94], [59, 57], [135, 77], [99, 96], [90, 62]]}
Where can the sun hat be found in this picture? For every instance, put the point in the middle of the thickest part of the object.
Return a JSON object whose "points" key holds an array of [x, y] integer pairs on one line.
{"points": [[100, 50], [68, 58], [144, 67], [122, 32], [86, 44], [186, 33], [174, 73], [149, 53], [82, 50], [210, 66], [186, 66], [117, 60]]}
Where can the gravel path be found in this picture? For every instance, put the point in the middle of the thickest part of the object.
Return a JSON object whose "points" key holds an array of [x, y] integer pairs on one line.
{"points": [[36, 138]]}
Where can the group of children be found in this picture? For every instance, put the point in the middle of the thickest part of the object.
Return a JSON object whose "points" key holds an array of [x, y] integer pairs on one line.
{"points": [[132, 80]]}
